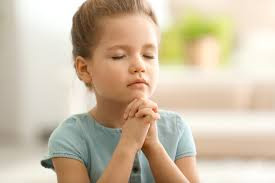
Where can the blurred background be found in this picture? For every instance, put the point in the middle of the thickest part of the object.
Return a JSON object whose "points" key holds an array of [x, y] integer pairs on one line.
{"points": [[217, 61]]}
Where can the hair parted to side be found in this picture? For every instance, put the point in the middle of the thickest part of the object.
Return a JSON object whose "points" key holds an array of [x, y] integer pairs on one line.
{"points": [[85, 22]]}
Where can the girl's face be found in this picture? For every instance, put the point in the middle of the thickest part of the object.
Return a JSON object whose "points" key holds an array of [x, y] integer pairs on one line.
{"points": [[127, 52]]}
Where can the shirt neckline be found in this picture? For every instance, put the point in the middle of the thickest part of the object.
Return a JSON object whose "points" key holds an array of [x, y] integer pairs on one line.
{"points": [[99, 125]]}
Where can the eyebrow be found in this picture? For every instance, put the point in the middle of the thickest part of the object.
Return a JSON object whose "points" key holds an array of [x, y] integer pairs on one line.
{"points": [[127, 47], [149, 46]]}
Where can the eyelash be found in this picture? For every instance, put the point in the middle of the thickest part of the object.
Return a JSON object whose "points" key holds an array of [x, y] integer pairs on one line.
{"points": [[118, 57], [149, 57], [121, 57]]}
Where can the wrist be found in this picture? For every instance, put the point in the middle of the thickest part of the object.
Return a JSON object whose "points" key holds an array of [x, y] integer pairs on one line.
{"points": [[128, 146], [152, 149]]}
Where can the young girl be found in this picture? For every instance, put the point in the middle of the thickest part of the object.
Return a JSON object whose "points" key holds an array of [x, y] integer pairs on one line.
{"points": [[125, 137]]}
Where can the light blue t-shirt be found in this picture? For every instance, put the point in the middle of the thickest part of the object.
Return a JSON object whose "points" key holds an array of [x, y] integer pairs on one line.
{"points": [[82, 138]]}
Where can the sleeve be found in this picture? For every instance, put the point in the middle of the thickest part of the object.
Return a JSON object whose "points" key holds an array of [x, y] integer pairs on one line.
{"points": [[186, 145], [66, 141]]}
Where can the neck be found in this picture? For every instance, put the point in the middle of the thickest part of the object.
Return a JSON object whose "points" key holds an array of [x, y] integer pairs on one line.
{"points": [[109, 113]]}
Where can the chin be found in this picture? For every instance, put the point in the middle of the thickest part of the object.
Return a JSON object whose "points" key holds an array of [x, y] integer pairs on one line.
{"points": [[140, 95]]}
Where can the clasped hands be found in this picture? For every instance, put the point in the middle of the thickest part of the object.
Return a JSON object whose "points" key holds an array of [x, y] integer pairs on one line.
{"points": [[140, 129]]}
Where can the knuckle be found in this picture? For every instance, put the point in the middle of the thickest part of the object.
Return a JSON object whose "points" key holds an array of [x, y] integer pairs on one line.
{"points": [[143, 101]]}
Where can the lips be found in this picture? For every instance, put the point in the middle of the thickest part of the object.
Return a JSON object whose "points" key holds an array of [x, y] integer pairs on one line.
{"points": [[137, 81]]}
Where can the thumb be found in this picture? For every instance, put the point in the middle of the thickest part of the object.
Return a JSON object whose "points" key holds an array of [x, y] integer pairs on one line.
{"points": [[148, 119]]}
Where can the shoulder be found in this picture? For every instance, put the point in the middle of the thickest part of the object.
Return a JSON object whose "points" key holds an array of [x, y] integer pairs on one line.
{"points": [[175, 134], [67, 140], [172, 121], [71, 131], [71, 125]]}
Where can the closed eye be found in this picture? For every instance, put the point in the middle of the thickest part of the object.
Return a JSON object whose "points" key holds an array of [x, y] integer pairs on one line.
{"points": [[118, 57], [149, 56]]}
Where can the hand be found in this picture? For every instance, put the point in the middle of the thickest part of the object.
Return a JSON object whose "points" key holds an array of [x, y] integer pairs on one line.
{"points": [[138, 104], [130, 135], [145, 108]]}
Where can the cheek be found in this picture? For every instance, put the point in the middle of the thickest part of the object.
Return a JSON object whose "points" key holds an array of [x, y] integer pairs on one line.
{"points": [[110, 78], [154, 76]]}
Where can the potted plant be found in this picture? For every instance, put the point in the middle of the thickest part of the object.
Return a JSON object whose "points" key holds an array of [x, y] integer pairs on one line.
{"points": [[198, 40]]}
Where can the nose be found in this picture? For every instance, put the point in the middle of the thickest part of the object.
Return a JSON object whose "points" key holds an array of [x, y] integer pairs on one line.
{"points": [[137, 65]]}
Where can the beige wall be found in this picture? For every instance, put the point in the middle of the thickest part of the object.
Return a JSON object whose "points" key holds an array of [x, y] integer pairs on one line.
{"points": [[8, 73], [247, 14]]}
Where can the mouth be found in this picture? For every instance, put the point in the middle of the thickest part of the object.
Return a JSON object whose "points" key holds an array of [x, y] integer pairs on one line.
{"points": [[140, 82], [137, 83], [137, 86]]}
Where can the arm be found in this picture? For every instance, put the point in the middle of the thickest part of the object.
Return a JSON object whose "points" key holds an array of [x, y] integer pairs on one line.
{"points": [[188, 167], [163, 168], [122, 161], [131, 140], [71, 170]]}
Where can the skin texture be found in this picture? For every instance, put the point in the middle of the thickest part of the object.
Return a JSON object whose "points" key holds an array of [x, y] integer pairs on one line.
{"points": [[126, 52]]}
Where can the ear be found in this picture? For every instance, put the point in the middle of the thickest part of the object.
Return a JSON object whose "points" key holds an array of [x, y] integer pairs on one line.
{"points": [[82, 69]]}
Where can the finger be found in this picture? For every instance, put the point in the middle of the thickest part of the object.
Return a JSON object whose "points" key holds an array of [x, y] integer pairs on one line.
{"points": [[142, 103], [144, 112], [147, 112], [151, 118], [135, 107], [150, 104], [125, 116]]}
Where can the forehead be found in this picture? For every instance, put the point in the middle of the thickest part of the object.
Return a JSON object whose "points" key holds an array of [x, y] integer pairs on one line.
{"points": [[130, 30]]}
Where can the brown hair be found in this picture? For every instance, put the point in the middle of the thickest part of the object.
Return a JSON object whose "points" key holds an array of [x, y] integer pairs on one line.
{"points": [[85, 21]]}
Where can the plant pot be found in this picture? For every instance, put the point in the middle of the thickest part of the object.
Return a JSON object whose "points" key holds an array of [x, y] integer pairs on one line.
{"points": [[203, 53]]}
